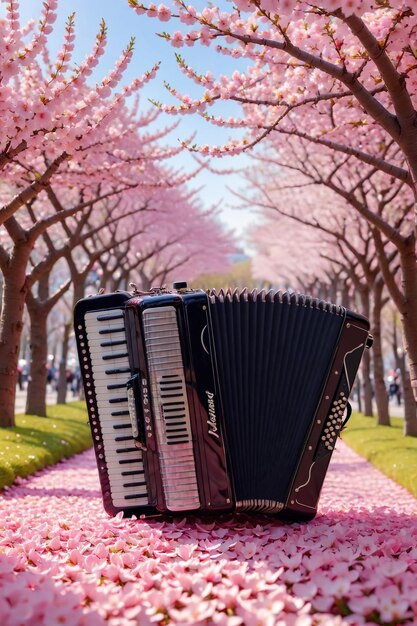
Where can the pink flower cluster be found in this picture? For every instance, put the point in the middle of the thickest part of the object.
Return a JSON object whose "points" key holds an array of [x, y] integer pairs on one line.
{"points": [[279, 78], [63, 561]]}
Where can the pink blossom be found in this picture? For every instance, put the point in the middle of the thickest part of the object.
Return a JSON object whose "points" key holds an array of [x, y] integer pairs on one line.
{"points": [[156, 570], [189, 15], [164, 13], [177, 39]]}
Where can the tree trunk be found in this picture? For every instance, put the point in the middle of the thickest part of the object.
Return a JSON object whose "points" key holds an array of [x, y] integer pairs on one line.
{"points": [[78, 293], [36, 394], [381, 396], [145, 282], [11, 326], [62, 379], [408, 319], [366, 359], [410, 406]]}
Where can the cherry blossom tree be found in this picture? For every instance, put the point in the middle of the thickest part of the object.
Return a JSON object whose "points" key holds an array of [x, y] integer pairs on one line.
{"points": [[119, 239], [48, 281], [387, 205], [320, 202], [194, 244], [338, 73], [62, 141], [311, 255]]}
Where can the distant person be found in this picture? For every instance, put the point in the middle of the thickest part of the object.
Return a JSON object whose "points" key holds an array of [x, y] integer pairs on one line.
{"points": [[50, 377], [20, 377], [76, 382], [394, 390], [69, 378]]}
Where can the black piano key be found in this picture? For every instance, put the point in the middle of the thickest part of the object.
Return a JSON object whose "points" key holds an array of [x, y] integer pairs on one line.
{"points": [[141, 484], [117, 370], [115, 355], [109, 331], [124, 438], [109, 316], [132, 472], [115, 342], [117, 400]]}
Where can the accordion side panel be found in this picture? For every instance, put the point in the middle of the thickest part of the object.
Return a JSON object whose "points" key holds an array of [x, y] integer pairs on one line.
{"points": [[328, 421], [208, 436], [287, 351]]}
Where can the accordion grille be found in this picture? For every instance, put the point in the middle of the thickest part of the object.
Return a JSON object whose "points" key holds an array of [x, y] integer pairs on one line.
{"points": [[274, 352], [170, 405]]}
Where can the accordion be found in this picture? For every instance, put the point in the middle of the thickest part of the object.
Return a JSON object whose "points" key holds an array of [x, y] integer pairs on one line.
{"points": [[216, 402]]}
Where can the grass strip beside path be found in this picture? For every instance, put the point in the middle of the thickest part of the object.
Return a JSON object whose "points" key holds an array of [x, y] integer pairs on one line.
{"points": [[385, 447], [36, 442]]}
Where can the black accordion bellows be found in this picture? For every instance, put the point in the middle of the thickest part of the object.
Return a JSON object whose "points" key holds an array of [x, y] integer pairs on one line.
{"points": [[270, 384], [209, 403]]}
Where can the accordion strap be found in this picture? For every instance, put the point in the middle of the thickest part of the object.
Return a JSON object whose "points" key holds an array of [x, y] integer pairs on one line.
{"points": [[348, 414]]}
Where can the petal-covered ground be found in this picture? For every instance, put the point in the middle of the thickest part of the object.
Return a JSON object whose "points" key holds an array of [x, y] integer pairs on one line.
{"points": [[64, 561]]}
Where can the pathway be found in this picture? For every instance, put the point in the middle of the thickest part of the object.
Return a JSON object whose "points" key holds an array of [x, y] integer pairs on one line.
{"points": [[394, 409], [64, 561], [20, 403]]}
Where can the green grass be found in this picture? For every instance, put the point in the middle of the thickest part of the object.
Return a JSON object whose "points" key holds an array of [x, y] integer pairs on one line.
{"points": [[385, 447], [36, 442]]}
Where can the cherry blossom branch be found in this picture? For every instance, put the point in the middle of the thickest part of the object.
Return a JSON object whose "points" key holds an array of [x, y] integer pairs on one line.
{"points": [[394, 82], [380, 164], [32, 190]]}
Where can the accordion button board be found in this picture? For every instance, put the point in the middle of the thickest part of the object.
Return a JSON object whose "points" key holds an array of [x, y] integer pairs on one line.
{"points": [[216, 402]]}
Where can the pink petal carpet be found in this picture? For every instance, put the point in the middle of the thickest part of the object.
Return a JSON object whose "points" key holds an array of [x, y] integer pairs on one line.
{"points": [[64, 561]]}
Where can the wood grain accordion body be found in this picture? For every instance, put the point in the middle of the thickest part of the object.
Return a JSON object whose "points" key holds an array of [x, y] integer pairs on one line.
{"points": [[216, 402]]}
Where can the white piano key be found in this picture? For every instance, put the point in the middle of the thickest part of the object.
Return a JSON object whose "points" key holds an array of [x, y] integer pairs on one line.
{"points": [[122, 502], [128, 480]]}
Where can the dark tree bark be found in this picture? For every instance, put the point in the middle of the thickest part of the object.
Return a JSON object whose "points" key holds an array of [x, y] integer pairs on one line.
{"points": [[11, 326], [410, 406], [62, 372], [39, 307], [381, 397]]}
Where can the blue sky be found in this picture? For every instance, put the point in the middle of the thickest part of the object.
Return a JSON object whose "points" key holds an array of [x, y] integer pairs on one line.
{"points": [[122, 23]]}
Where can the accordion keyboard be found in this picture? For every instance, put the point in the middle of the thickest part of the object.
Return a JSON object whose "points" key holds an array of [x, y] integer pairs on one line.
{"points": [[110, 371], [170, 404]]}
